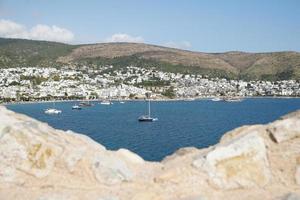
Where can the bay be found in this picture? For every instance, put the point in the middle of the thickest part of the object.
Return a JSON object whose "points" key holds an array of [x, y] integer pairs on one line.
{"points": [[198, 123]]}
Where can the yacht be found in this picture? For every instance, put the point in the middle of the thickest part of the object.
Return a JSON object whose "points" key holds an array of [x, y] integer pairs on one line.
{"points": [[233, 99], [147, 118], [106, 102], [52, 110], [76, 107], [217, 99]]}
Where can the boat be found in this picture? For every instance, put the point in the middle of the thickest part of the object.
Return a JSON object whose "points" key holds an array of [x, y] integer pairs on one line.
{"points": [[217, 99], [233, 99], [85, 104], [106, 102], [189, 99], [76, 107], [122, 102], [52, 110], [147, 118]]}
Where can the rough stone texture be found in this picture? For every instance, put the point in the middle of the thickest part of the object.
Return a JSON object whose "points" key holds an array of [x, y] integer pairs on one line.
{"points": [[251, 162], [283, 130], [297, 175], [241, 162]]}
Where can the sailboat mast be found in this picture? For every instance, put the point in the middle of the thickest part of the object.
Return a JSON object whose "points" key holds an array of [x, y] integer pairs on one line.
{"points": [[149, 112]]}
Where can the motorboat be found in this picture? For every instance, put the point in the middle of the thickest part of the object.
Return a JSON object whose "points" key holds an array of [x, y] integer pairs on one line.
{"points": [[106, 102], [233, 99], [51, 111], [217, 99], [76, 107]]}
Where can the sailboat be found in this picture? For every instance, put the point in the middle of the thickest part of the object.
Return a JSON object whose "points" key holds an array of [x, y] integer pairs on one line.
{"points": [[147, 118], [52, 110]]}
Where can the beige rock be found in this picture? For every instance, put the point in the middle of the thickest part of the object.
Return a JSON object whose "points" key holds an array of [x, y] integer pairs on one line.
{"points": [[283, 130], [297, 175], [41, 163], [239, 163], [109, 169], [291, 196]]}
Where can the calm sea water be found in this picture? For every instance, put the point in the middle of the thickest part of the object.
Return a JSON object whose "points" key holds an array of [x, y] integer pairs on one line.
{"points": [[181, 123]]}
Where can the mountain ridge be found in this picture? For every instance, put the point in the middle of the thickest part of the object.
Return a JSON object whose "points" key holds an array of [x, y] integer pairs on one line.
{"points": [[280, 65]]}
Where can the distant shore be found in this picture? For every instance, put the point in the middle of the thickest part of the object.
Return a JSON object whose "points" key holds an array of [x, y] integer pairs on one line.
{"points": [[127, 100]]}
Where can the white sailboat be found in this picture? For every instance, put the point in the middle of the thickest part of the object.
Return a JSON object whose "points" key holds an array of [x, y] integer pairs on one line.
{"points": [[147, 118]]}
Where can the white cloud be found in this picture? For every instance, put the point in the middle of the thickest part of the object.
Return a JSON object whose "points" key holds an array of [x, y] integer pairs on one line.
{"points": [[10, 29], [179, 45], [122, 37]]}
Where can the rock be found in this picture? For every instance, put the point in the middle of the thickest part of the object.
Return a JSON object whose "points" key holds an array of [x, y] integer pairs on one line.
{"points": [[297, 175], [109, 169], [291, 196], [130, 157], [197, 197], [55, 196], [41, 163], [283, 130], [108, 198], [73, 157], [240, 163]]}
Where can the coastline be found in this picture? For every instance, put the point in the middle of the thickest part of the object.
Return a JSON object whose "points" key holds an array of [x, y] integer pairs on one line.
{"points": [[134, 100]]}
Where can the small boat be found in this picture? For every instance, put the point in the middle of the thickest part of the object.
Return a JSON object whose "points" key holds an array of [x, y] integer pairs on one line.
{"points": [[85, 104], [189, 99], [147, 118], [105, 102], [76, 107], [51, 111], [122, 102], [217, 99], [233, 99]]}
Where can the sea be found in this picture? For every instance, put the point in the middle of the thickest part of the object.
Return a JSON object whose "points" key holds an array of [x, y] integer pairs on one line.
{"points": [[199, 123]]}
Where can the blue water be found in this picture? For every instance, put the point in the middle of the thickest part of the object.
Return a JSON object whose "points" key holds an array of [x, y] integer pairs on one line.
{"points": [[181, 123]]}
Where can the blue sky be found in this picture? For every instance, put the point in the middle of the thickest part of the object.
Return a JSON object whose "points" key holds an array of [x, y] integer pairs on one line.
{"points": [[208, 26]]}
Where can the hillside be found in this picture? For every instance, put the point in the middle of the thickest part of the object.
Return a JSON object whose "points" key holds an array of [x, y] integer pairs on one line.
{"points": [[250, 66], [22, 53]]}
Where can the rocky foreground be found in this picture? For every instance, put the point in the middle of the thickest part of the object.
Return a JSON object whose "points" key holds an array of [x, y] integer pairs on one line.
{"points": [[38, 162]]}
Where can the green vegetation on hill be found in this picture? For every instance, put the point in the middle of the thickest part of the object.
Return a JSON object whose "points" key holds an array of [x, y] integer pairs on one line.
{"points": [[233, 65], [23, 53], [120, 62]]}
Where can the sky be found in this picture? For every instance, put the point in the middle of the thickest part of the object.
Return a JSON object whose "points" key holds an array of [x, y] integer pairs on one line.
{"points": [[197, 25]]}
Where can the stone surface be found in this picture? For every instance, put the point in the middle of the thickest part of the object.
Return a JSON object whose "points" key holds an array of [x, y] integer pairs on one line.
{"points": [[241, 162], [283, 130], [41, 163], [297, 175], [291, 196]]}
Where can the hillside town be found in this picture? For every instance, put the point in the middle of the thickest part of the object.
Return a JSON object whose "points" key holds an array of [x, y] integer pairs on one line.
{"points": [[109, 82]]}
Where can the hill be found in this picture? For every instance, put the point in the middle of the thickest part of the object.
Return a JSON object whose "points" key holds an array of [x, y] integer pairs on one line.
{"points": [[249, 66], [22, 53]]}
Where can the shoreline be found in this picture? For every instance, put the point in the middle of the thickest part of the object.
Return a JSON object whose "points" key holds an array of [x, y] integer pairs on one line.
{"points": [[133, 100]]}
